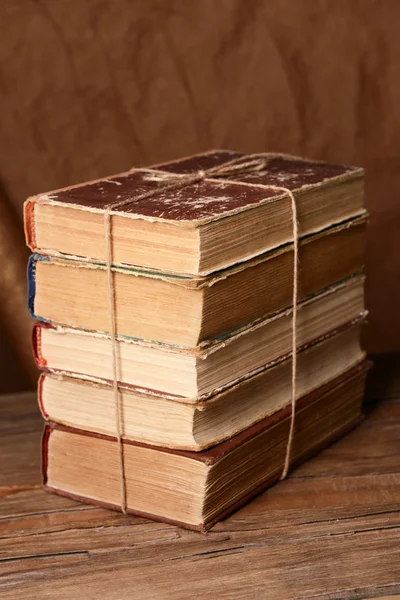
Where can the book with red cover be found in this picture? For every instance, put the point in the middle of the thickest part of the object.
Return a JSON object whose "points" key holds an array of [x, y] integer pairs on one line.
{"points": [[199, 228]]}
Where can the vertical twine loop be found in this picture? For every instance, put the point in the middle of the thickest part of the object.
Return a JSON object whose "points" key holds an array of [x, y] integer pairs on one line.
{"points": [[294, 332], [295, 294], [249, 163], [115, 362]]}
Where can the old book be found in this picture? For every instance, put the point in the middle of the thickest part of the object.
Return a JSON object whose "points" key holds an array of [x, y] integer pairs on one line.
{"points": [[197, 372], [178, 423], [186, 311], [196, 489], [200, 228]]}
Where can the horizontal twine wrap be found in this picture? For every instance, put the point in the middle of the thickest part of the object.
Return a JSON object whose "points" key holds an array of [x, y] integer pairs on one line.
{"points": [[171, 182]]}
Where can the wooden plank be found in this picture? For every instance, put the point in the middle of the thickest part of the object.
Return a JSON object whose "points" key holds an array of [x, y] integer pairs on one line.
{"points": [[332, 530], [270, 568]]}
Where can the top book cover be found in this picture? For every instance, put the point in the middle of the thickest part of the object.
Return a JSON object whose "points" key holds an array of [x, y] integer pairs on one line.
{"points": [[199, 228]]}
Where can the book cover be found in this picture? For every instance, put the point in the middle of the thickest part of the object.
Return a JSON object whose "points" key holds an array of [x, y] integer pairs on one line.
{"points": [[197, 228]]}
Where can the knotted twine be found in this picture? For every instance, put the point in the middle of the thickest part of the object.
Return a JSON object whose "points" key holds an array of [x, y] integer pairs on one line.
{"points": [[173, 181]]}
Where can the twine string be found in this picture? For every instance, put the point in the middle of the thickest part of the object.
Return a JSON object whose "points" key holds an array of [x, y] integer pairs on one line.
{"points": [[294, 333], [115, 363], [169, 182]]}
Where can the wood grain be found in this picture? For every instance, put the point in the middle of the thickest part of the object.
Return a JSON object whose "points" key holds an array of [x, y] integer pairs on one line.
{"points": [[331, 531]]}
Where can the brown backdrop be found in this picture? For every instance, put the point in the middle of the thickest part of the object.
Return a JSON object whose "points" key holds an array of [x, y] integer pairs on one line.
{"points": [[91, 87]]}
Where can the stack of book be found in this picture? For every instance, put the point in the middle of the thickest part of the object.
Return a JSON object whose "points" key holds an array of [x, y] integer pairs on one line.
{"points": [[202, 280]]}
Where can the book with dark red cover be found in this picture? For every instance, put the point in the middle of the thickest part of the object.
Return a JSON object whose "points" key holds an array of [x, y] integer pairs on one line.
{"points": [[260, 217]]}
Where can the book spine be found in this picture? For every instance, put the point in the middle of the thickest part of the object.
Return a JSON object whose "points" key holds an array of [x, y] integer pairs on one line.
{"points": [[40, 361], [31, 284], [45, 442], [29, 224], [44, 412]]}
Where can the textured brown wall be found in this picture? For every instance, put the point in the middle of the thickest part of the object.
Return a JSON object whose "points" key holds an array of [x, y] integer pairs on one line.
{"points": [[93, 87]]}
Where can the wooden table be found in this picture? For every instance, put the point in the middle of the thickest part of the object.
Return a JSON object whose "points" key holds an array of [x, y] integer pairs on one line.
{"points": [[331, 531]]}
